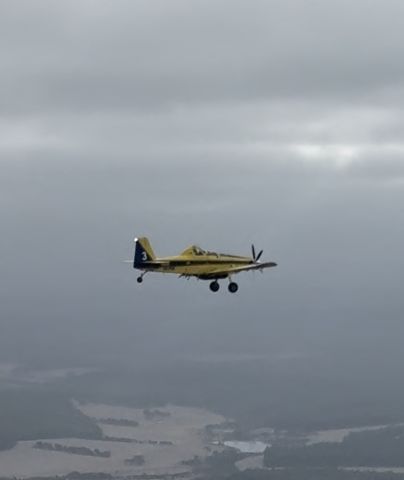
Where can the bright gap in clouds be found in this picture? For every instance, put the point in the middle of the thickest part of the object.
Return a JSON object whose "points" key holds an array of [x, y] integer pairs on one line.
{"points": [[339, 155], [344, 156]]}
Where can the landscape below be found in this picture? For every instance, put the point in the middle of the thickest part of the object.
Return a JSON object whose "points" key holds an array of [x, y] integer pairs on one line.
{"points": [[122, 423]]}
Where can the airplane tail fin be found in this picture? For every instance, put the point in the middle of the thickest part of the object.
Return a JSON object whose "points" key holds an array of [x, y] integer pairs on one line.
{"points": [[143, 252]]}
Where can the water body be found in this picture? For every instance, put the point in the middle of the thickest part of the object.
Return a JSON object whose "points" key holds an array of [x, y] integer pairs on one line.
{"points": [[338, 436], [374, 469], [248, 447]]}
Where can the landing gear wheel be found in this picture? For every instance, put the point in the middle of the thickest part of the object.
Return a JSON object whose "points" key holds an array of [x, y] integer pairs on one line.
{"points": [[139, 279], [233, 287], [214, 286]]}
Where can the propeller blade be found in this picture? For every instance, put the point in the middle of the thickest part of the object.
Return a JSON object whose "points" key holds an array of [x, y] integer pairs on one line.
{"points": [[259, 255], [253, 251]]}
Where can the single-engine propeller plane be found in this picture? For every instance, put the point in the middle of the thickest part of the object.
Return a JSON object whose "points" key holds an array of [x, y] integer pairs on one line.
{"points": [[195, 262]]}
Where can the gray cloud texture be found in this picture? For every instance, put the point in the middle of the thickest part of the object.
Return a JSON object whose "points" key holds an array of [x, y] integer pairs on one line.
{"points": [[217, 122]]}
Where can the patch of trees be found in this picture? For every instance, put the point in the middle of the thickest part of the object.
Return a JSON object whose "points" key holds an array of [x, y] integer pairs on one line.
{"points": [[136, 460], [70, 476], [150, 414], [221, 466], [377, 448], [195, 461], [153, 442], [106, 438], [217, 466], [138, 442], [309, 474], [284, 474], [57, 447], [120, 422], [106, 476]]}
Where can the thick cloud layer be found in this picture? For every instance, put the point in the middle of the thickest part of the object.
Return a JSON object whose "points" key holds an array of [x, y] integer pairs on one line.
{"points": [[219, 123], [99, 56]]}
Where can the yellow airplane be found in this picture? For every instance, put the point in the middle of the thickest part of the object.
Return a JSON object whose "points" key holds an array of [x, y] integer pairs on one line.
{"points": [[195, 262]]}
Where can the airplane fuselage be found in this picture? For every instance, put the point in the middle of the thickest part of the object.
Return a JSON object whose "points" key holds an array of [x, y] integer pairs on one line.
{"points": [[201, 266], [196, 262]]}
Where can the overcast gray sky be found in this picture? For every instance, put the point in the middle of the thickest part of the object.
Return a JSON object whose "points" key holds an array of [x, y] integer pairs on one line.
{"points": [[210, 122]]}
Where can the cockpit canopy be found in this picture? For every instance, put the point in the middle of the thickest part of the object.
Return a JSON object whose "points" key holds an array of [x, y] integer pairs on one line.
{"points": [[198, 250], [194, 250]]}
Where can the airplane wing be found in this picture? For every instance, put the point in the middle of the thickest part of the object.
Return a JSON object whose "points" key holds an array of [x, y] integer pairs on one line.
{"points": [[244, 268]]}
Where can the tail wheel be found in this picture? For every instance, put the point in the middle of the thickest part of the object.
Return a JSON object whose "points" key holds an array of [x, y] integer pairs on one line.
{"points": [[214, 286], [233, 287], [139, 279]]}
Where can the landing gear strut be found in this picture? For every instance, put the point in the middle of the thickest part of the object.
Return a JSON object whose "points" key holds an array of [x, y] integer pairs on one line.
{"points": [[233, 287], [214, 286], [140, 278]]}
